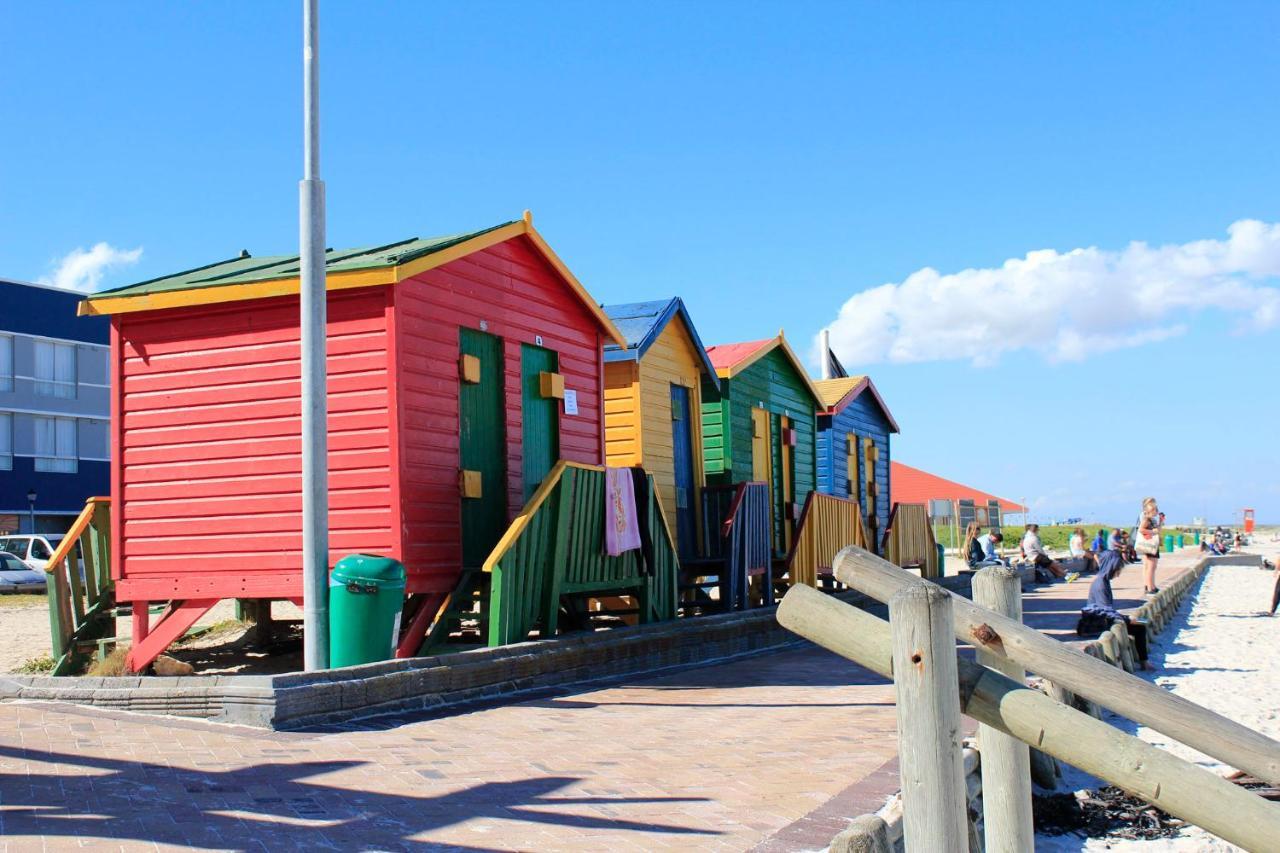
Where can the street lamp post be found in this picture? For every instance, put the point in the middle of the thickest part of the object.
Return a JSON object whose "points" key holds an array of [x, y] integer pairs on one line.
{"points": [[31, 504]]}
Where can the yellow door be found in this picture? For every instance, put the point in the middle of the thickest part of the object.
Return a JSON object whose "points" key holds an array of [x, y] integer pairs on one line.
{"points": [[760, 447]]}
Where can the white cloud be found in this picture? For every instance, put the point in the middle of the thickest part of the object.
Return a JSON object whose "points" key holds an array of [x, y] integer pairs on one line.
{"points": [[82, 269], [1065, 306]]}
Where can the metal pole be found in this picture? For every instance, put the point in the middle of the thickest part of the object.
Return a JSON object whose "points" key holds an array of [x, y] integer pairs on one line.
{"points": [[826, 353], [315, 439]]}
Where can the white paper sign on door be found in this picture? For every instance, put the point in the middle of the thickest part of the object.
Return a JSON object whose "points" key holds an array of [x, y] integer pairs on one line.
{"points": [[570, 402]]}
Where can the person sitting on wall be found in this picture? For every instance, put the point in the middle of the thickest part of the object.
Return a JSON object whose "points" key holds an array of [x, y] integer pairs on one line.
{"points": [[1078, 552], [1099, 612], [1034, 551], [975, 548], [990, 543], [1099, 542]]}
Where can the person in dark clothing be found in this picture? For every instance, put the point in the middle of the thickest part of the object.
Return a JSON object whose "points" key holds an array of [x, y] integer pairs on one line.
{"points": [[1099, 612]]}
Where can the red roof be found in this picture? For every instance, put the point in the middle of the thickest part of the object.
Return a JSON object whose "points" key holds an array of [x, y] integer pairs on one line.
{"points": [[912, 486], [724, 356]]}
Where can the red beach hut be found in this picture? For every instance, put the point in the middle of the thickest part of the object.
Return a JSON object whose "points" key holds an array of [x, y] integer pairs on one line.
{"points": [[461, 369]]}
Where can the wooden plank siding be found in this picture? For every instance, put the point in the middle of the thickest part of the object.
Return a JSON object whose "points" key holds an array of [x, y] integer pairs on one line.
{"points": [[209, 462], [864, 418], [518, 296], [773, 384], [671, 360], [623, 440], [206, 422]]}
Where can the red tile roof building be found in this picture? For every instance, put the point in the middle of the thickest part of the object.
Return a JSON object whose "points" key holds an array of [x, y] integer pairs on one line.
{"points": [[913, 486]]}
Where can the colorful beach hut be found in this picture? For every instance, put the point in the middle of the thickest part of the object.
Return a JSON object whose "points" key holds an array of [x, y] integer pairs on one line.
{"points": [[759, 425], [854, 426], [461, 370], [653, 400]]}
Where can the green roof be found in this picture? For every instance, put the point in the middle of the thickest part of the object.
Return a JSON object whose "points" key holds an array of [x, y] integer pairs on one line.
{"points": [[247, 269]]}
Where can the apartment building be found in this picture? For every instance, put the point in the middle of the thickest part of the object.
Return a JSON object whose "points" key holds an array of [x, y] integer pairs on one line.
{"points": [[54, 407]]}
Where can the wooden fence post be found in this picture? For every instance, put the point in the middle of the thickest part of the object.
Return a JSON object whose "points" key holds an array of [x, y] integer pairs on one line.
{"points": [[935, 811], [1006, 761]]}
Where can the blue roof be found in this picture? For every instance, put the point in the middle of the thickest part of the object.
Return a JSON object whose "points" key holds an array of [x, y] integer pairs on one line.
{"points": [[642, 322]]}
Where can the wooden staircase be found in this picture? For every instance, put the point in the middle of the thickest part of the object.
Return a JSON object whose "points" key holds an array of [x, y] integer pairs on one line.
{"points": [[81, 592], [550, 563]]}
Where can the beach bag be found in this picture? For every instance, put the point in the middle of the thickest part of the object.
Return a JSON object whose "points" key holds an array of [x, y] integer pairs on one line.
{"points": [[1147, 542], [1092, 624]]}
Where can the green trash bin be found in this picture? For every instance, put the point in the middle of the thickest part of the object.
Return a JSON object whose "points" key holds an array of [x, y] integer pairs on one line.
{"points": [[366, 594], [1182, 540], [1168, 543], [1197, 538], [942, 560]]}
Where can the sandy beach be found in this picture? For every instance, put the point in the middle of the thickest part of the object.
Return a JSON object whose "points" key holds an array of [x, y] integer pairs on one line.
{"points": [[1219, 653]]}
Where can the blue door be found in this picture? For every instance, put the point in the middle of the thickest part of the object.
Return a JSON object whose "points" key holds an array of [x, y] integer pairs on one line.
{"points": [[682, 456]]}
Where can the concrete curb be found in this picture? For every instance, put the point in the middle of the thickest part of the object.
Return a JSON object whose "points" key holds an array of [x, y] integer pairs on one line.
{"points": [[442, 684]]}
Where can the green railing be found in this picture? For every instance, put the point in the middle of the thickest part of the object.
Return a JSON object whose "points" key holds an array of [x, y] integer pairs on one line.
{"points": [[78, 582], [555, 547]]}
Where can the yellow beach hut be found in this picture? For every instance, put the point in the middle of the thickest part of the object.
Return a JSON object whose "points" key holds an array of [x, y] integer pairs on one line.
{"points": [[653, 397]]}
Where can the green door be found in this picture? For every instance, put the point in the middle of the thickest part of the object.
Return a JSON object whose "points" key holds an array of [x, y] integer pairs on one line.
{"points": [[482, 447], [541, 431]]}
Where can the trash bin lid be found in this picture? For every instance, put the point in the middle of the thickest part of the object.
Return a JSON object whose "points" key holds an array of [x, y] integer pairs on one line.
{"points": [[368, 568]]}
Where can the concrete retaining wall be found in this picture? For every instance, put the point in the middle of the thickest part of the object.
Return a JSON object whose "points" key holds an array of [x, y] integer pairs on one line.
{"points": [[444, 683]]}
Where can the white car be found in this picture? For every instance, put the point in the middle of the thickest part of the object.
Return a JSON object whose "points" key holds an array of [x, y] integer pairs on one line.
{"points": [[32, 549], [15, 576]]}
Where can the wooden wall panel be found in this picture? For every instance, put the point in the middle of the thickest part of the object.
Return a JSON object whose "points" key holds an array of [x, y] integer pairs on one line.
{"points": [[208, 445], [518, 296]]}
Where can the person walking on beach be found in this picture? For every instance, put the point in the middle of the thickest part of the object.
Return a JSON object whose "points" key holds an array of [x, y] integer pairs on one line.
{"points": [[1147, 543]]}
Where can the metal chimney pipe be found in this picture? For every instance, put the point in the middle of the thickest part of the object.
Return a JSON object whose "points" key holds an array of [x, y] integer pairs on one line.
{"points": [[826, 353]]}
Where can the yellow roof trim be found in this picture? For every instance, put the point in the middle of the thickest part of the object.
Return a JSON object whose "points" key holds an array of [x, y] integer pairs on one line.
{"points": [[574, 284], [216, 294], [780, 341]]}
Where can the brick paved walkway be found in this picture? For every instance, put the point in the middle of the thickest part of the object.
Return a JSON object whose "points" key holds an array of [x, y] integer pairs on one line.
{"points": [[775, 751]]}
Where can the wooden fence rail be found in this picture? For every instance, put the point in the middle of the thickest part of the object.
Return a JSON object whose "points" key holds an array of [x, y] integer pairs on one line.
{"points": [[1164, 780], [1139, 700], [79, 587], [827, 524]]}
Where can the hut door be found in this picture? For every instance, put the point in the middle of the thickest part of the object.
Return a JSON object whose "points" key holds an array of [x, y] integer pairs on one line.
{"points": [[762, 453], [682, 457], [482, 449], [781, 480], [871, 509], [541, 414]]}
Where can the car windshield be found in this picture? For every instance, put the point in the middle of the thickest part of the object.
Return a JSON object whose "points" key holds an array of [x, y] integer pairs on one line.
{"points": [[14, 545], [10, 563]]}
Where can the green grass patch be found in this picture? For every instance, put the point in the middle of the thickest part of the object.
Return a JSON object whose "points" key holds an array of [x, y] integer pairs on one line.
{"points": [[20, 600], [37, 666]]}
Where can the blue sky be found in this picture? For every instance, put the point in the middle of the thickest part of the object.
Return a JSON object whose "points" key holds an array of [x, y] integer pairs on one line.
{"points": [[766, 162]]}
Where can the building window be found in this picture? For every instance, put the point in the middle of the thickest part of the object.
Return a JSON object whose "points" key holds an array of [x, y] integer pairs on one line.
{"points": [[56, 445], [55, 369], [6, 362], [6, 442]]}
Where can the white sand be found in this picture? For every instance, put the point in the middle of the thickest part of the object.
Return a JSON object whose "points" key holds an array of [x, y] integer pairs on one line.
{"points": [[24, 626], [1220, 653]]}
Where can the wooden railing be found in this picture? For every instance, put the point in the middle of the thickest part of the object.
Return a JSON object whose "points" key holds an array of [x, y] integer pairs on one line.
{"points": [[827, 524], [909, 542], [555, 547], [79, 586], [926, 620], [738, 531]]}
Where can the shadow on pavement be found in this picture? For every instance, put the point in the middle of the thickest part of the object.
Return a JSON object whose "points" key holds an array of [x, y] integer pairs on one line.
{"points": [[278, 806]]}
